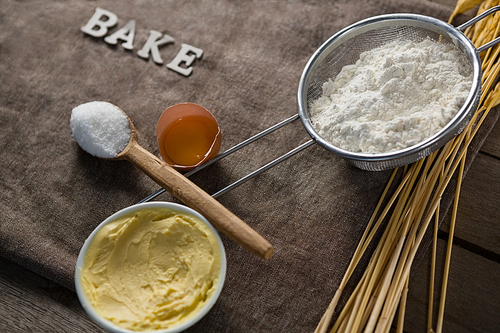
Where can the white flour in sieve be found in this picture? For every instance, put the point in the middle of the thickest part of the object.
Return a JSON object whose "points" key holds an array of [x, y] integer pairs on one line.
{"points": [[393, 97], [100, 128]]}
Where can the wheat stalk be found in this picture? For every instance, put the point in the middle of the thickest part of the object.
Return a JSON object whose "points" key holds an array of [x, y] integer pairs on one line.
{"points": [[409, 211]]}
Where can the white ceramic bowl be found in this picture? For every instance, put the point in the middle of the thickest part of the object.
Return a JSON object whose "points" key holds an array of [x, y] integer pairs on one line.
{"points": [[111, 326]]}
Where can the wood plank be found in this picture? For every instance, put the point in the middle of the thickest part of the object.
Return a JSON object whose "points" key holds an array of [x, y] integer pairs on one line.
{"points": [[492, 144], [472, 296], [31, 303], [478, 218]]}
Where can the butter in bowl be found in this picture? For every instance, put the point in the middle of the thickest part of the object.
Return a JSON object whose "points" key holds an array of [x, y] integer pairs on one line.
{"points": [[154, 266]]}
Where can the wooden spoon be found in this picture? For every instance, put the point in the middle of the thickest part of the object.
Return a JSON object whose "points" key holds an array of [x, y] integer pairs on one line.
{"points": [[193, 196]]}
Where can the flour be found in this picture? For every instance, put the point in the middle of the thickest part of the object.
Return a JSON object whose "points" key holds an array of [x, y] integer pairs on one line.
{"points": [[393, 97]]}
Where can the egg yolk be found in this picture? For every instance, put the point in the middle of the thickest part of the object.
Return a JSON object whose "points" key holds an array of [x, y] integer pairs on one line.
{"points": [[188, 142]]}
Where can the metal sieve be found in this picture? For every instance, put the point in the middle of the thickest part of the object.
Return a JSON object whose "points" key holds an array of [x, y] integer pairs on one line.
{"points": [[344, 48]]}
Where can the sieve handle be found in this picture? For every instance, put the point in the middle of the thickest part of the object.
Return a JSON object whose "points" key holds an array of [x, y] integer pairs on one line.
{"points": [[265, 167], [228, 152], [477, 19]]}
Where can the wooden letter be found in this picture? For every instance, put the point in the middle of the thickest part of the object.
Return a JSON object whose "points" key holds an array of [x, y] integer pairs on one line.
{"points": [[151, 46], [184, 57], [126, 34], [96, 27]]}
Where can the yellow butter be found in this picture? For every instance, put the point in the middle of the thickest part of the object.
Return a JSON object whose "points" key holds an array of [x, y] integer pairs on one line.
{"points": [[152, 269]]}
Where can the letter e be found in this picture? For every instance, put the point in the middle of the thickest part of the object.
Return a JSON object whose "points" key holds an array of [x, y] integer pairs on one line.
{"points": [[97, 22], [184, 56]]}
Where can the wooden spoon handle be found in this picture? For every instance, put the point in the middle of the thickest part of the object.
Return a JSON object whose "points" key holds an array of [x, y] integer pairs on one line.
{"points": [[194, 197]]}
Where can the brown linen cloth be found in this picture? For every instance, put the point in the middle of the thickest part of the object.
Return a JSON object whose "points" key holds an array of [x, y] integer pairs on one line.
{"points": [[312, 207]]}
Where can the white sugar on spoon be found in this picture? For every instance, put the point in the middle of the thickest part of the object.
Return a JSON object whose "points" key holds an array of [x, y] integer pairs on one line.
{"points": [[104, 130], [100, 128]]}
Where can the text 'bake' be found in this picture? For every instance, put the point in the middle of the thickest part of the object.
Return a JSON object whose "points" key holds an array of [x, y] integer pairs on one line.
{"points": [[103, 20]]}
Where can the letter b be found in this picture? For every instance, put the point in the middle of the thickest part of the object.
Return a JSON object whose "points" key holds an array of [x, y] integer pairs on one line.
{"points": [[96, 27]]}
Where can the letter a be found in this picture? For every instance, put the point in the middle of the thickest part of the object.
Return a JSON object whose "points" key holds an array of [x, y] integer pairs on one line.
{"points": [[96, 27], [126, 34]]}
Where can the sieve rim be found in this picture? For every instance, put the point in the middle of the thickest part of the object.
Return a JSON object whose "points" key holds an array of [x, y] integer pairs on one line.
{"points": [[387, 160]]}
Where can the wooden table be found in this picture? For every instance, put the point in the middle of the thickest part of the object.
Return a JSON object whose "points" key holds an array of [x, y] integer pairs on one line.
{"points": [[473, 297], [31, 303]]}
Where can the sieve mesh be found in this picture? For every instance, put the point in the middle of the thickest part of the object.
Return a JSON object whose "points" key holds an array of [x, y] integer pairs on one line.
{"points": [[348, 52]]}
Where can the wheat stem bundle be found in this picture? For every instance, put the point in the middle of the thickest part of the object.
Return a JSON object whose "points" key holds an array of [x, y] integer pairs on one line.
{"points": [[407, 214]]}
